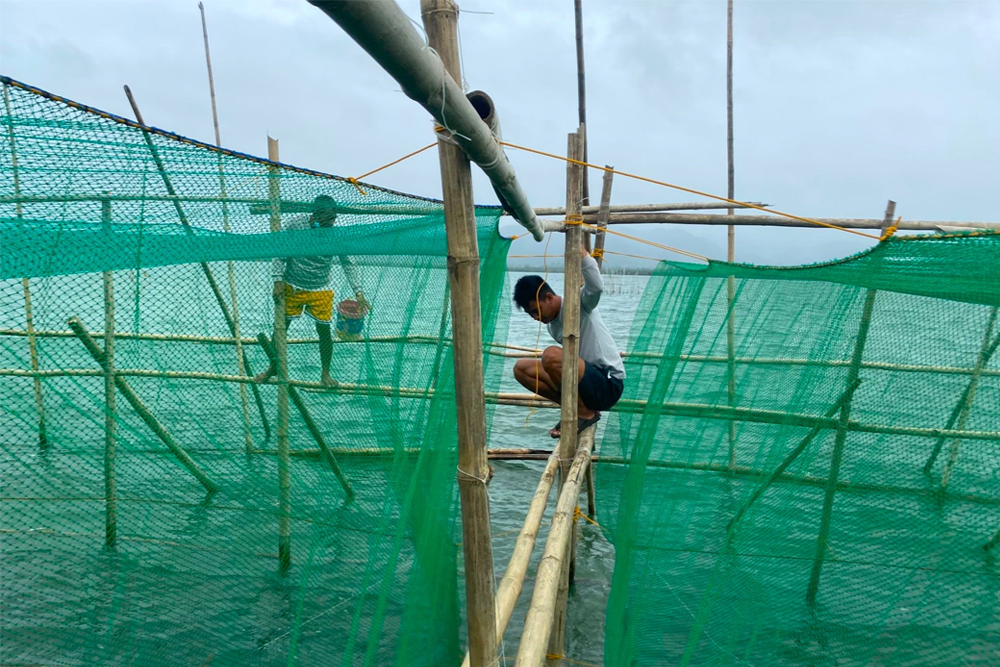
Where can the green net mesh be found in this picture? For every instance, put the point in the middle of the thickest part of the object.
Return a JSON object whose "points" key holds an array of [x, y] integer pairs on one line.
{"points": [[835, 504], [193, 578]]}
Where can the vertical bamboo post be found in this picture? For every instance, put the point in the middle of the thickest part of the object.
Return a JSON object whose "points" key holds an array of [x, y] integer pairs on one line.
{"points": [[440, 18], [581, 95], [281, 370], [570, 371], [248, 439], [970, 396], [603, 215], [110, 424], [25, 283], [841, 436], [730, 236]]}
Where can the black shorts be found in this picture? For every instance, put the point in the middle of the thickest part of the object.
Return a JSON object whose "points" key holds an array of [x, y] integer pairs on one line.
{"points": [[598, 389]]}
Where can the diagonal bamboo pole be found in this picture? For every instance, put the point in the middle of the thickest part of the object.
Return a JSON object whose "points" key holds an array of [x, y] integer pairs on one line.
{"points": [[969, 398], [985, 353], [539, 623], [788, 460], [133, 399], [517, 566], [822, 541], [25, 283], [317, 435], [244, 403], [206, 270]]}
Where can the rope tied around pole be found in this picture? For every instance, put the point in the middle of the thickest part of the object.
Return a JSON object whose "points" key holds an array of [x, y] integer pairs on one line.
{"points": [[688, 190]]}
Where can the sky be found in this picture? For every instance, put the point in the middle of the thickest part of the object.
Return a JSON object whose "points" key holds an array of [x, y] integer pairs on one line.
{"points": [[838, 106]]}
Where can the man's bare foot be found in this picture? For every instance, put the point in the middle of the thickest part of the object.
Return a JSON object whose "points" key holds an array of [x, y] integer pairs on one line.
{"points": [[264, 376], [328, 381]]}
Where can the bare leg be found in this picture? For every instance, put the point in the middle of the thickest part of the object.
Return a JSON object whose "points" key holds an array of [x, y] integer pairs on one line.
{"points": [[530, 375], [325, 353], [552, 365], [266, 375]]}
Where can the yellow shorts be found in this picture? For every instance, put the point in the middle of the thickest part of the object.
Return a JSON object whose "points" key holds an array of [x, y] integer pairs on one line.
{"points": [[317, 305]]}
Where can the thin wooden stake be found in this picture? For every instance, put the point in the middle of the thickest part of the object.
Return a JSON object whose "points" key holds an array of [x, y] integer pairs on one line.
{"points": [[110, 414], [581, 94], [205, 269], [244, 402], [603, 215], [823, 540], [25, 283], [140, 408], [440, 19], [730, 234], [281, 375]]}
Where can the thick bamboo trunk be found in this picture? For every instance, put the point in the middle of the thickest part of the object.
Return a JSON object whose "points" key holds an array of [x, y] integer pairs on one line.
{"points": [[440, 19]]}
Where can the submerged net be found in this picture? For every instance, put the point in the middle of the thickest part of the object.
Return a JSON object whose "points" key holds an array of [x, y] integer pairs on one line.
{"points": [[878, 374], [90, 227]]}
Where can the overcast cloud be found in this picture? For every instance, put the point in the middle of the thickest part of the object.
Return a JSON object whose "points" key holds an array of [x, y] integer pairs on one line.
{"points": [[839, 106]]}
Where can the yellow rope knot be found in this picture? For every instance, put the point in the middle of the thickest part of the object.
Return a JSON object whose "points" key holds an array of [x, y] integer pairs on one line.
{"points": [[577, 515], [573, 220], [354, 182], [559, 656], [891, 230], [597, 253]]}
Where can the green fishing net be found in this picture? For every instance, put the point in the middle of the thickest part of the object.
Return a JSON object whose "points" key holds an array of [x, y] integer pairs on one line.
{"points": [[174, 239], [861, 401]]}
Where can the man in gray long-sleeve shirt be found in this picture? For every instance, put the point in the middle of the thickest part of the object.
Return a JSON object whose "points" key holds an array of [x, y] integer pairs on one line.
{"points": [[305, 284], [602, 372]]}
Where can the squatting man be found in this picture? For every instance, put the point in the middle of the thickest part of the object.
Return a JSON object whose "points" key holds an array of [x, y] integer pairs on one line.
{"points": [[601, 370]]}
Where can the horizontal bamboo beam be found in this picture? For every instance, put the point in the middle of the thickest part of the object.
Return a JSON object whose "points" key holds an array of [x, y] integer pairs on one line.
{"points": [[648, 208], [538, 622], [775, 221], [523, 352], [694, 410]]}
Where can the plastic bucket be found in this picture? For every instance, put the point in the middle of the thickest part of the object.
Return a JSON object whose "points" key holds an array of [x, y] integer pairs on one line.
{"points": [[350, 320]]}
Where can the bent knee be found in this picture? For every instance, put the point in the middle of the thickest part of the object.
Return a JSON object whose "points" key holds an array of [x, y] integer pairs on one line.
{"points": [[523, 367], [552, 357]]}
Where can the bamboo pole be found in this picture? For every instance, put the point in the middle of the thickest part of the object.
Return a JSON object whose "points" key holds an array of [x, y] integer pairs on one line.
{"points": [[517, 567], [970, 396], [964, 402], [570, 315], [730, 234], [25, 283], [540, 623], [247, 437], [205, 269], [581, 93], [590, 212], [822, 541], [133, 399], [788, 460], [281, 376], [110, 414], [693, 410], [440, 19], [775, 221], [317, 435], [602, 216]]}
